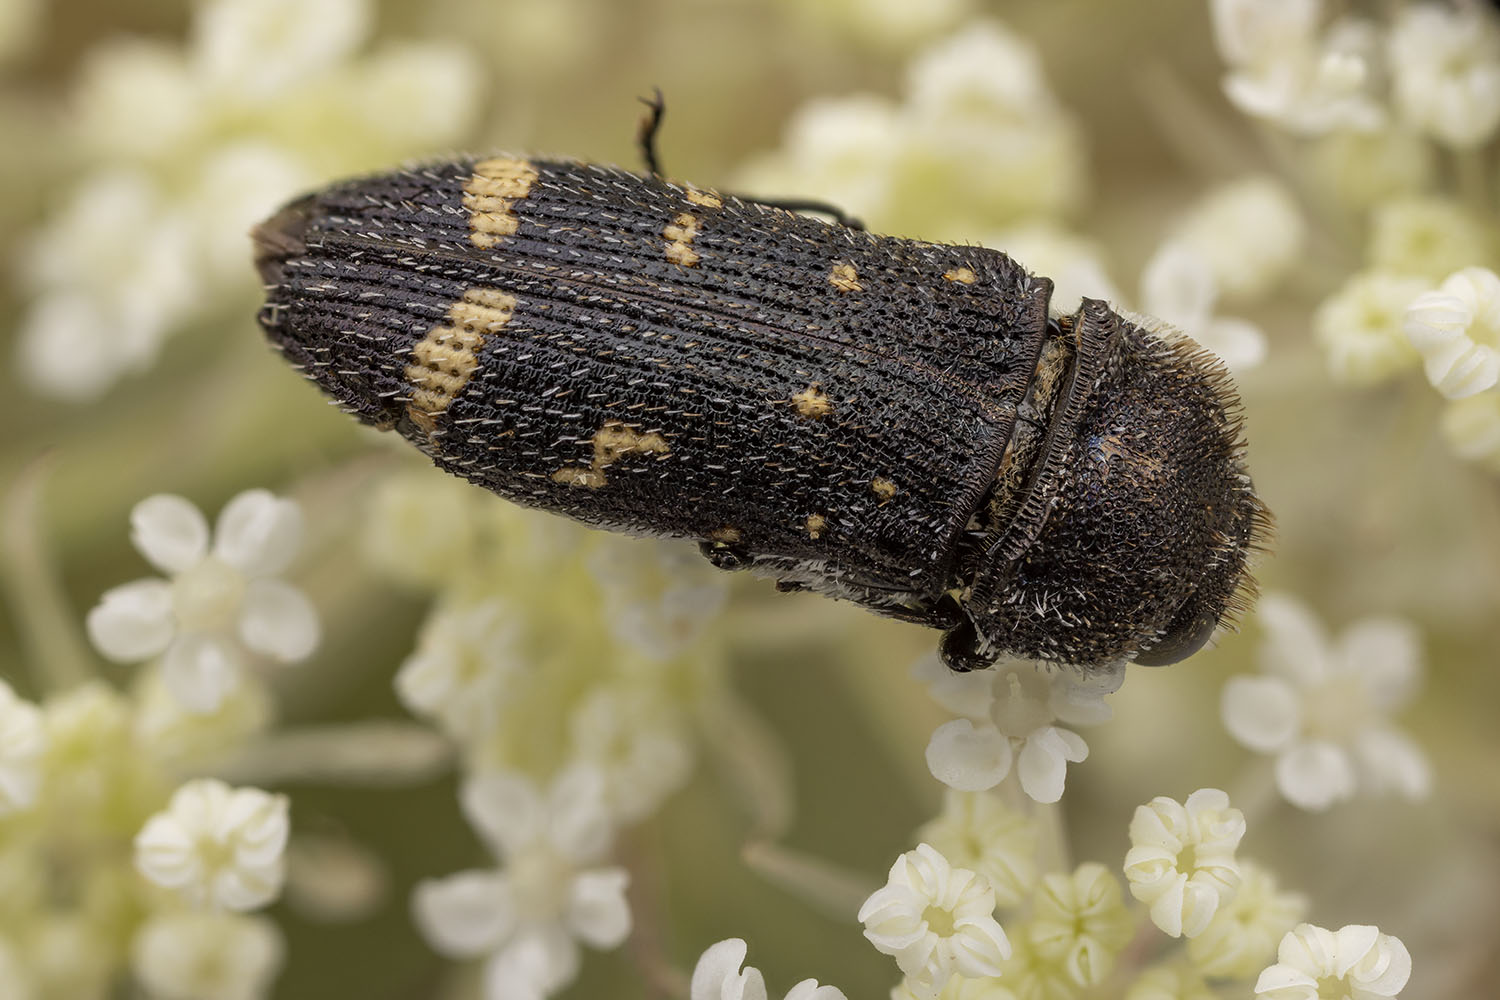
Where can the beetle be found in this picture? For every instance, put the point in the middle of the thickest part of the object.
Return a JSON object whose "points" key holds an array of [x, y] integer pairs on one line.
{"points": [[887, 421]]}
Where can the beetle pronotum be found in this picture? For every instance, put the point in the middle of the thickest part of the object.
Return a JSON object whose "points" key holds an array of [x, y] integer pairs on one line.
{"points": [[882, 420]]}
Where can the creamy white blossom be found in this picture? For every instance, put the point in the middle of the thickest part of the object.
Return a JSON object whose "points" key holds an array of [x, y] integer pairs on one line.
{"points": [[190, 955], [1366, 169], [1172, 981], [1361, 327], [1242, 936], [527, 918], [1456, 329], [978, 831], [1426, 236], [1283, 66], [1471, 426], [222, 601], [1323, 708], [22, 741], [634, 736], [467, 654], [659, 596], [217, 846], [937, 921], [1181, 860], [1251, 233], [1079, 922], [718, 976], [1445, 69], [1178, 288], [1355, 962], [1009, 713]]}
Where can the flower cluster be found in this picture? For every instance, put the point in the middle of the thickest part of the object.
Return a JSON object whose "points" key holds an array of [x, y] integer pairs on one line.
{"points": [[1322, 708], [180, 149]]}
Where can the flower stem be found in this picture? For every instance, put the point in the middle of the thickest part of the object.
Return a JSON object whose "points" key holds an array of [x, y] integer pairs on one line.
{"points": [[51, 641]]}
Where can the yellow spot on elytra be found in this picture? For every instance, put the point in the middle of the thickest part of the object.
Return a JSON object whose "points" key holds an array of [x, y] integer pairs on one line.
{"points": [[811, 403], [727, 535], [680, 232], [845, 278], [883, 488], [962, 275], [442, 362], [491, 194], [816, 525], [611, 442], [706, 199]]}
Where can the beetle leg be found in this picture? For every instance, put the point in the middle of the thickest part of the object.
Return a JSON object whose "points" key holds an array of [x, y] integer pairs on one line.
{"points": [[650, 125], [725, 555]]}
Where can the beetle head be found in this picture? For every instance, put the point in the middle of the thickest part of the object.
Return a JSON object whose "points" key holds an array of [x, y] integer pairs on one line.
{"points": [[1135, 534]]}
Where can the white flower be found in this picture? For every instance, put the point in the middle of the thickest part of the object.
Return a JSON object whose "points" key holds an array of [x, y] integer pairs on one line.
{"points": [[1178, 288], [1427, 236], [1364, 169], [1173, 981], [978, 831], [1471, 426], [1456, 329], [1445, 68], [659, 596], [1356, 962], [718, 976], [632, 734], [1009, 714], [234, 40], [207, 956], [1251, 233], [1242, 936], [1181, 859], [418, 526], [935, 920], [1360, 327], [529, 916], [181, 739], [218, 846], [1322, 708], [1080, 923], [22, 740], [220, 601], [1280, 69], [466, 657]]}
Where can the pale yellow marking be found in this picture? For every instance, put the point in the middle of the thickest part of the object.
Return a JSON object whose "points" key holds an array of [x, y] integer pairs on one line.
{"points": [[962, 275], [811, 403], [491, 194], [883, 488], [705, 199], [443, 361], [816, 525], [680, 231], [845, 278], [611, 442], [727, 535]]}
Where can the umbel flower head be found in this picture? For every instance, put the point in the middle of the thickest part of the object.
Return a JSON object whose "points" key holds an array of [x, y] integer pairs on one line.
{"points": [[718, 976], [1181, 859], [222, 602], [528, 917], [937, 921], [1356, 962], [1323, 707]]}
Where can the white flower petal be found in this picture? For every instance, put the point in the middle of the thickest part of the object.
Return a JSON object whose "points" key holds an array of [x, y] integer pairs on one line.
{"points": [[169, 531], [1295, 646], [1043, 763], [578, 818], [1262, 713], [968, 758], [505, 809], [965, 693], [1314, 776], [1391, 761], [200, 670], [1386, 655], [598, 912], [132, 622], [258, 533], [277, 620], [809, 989], [1178, 286], [466, 914], [717, 975]]}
